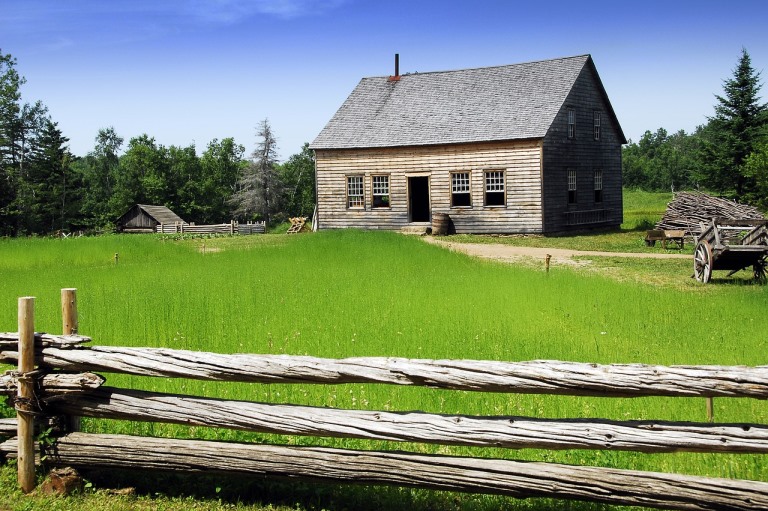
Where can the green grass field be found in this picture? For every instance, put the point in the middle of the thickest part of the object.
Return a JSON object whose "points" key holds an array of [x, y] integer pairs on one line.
{"points": [[350, 293]]}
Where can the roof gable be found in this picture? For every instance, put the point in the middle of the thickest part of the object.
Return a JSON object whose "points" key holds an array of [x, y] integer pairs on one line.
{"points": [[160, 214], [518, 101]]}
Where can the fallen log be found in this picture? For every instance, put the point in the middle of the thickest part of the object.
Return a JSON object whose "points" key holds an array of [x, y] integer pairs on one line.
{"points": [[476, 475], [507, 432]]}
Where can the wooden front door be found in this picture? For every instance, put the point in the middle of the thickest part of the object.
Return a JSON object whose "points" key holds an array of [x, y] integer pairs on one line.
{"points": [[418, 199]]}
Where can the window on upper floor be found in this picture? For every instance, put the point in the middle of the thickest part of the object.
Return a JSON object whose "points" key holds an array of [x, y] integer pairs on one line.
{"points": [[461, 195], [596, 118], [380, 186], [355, 195], [494, 188], [598, 186], [571, 186], [571, 123]]}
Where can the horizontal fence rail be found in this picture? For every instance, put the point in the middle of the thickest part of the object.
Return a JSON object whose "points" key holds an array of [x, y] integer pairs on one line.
{"points": [[508, 431], [493, 476], [532, 377], [65, 385]]}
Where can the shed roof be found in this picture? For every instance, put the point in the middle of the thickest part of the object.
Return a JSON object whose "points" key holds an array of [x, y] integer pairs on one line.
{"points": [[160, 213], [510, 102]]}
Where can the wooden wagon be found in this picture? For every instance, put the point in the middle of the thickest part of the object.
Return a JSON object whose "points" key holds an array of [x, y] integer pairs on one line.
{"points": [[731, 245]]}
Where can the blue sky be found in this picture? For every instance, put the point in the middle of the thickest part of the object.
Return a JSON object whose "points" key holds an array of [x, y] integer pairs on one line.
{"points": [[186, 72]]}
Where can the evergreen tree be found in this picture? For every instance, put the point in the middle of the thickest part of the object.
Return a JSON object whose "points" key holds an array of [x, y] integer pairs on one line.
{"points": [[55, 201], [735, 130], [10, 96], [259, 185]]}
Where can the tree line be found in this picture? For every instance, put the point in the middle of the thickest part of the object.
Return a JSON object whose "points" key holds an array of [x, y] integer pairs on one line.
{"points": [[727, 155], [44, 188]]}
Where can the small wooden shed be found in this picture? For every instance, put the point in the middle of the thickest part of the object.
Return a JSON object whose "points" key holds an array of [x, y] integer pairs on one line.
{"points": [[144, 218]]}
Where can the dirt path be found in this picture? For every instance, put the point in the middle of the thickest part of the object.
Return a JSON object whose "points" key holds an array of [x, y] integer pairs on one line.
{"points": [[501, 252]]}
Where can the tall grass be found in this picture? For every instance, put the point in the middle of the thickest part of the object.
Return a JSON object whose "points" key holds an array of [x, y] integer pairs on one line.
{"points": [[351, 293], [642, 210]]}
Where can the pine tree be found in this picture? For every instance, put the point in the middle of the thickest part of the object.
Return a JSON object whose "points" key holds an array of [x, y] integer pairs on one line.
{"points": [[735, 130], [259, 185]]}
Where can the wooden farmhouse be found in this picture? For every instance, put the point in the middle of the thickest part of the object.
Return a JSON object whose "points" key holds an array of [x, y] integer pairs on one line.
{"points": [[523, 148], [143, 218]]}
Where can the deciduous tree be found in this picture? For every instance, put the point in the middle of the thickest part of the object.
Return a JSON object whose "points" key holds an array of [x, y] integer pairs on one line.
{"points": [[298, 177]]}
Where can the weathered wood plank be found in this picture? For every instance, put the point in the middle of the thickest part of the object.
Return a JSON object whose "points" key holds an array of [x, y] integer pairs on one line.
{"points": [[533, 377], [53, 383], [507, 432], [8, 427], [477, 475], [9, 341]]}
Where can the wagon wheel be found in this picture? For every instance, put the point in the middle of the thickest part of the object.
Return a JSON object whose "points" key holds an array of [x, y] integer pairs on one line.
{"points": [[759, 270], [702, 262]]}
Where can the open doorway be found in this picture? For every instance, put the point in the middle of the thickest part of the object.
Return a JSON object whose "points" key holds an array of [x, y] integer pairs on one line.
{"points": [[418, 199]]}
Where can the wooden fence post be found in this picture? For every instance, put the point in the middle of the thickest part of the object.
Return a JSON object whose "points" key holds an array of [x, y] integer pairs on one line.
{"points": [[26, 424], [69, 326]]}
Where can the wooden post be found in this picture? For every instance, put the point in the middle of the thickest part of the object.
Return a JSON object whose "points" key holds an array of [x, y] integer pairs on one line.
{"points": [[546, 262], [710, 409], [231, 227], [69, 326], [69, 311], [26, 424]]}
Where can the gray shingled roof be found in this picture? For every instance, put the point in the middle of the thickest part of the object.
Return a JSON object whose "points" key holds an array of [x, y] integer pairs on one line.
{"points": [[161, 214], [470, 105]]}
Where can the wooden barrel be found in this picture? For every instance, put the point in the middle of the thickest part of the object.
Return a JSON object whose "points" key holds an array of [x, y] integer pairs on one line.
{"points": [[440, 224]]}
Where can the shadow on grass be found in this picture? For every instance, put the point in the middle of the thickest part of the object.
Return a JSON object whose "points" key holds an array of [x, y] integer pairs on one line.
{"points": [[301, 495]]}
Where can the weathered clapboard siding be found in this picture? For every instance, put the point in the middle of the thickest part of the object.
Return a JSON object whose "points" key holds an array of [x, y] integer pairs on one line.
{"points": [[520, 160], [583, 154], [512, 118]]}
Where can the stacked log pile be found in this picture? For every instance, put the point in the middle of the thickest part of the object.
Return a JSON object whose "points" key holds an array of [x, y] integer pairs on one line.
{"points": [[689, 209]]}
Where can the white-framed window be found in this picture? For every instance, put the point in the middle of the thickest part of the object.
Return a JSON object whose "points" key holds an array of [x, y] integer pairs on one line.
{"points": [[461, 194], [571, 186], [494, 188], [571, 123], [598, 185], [596, 118], [380, 187], [355, 194]]}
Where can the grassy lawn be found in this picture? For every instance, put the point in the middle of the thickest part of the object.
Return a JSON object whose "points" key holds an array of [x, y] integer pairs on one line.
{"points": [[351, 293]]}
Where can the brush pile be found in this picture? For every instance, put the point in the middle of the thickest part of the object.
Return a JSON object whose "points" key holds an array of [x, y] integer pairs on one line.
{"points": [[688, 209]]}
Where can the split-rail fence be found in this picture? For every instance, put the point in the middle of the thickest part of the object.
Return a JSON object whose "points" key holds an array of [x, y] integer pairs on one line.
{"points": [[56, 378], [232, 227]]}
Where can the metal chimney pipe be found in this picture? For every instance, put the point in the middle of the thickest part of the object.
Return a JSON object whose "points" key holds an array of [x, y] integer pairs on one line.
{"points": [[397, 64]]}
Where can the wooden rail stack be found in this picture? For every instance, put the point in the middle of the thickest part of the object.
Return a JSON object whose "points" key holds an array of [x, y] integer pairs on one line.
{"points": [[689, 209], [67, 386]]}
